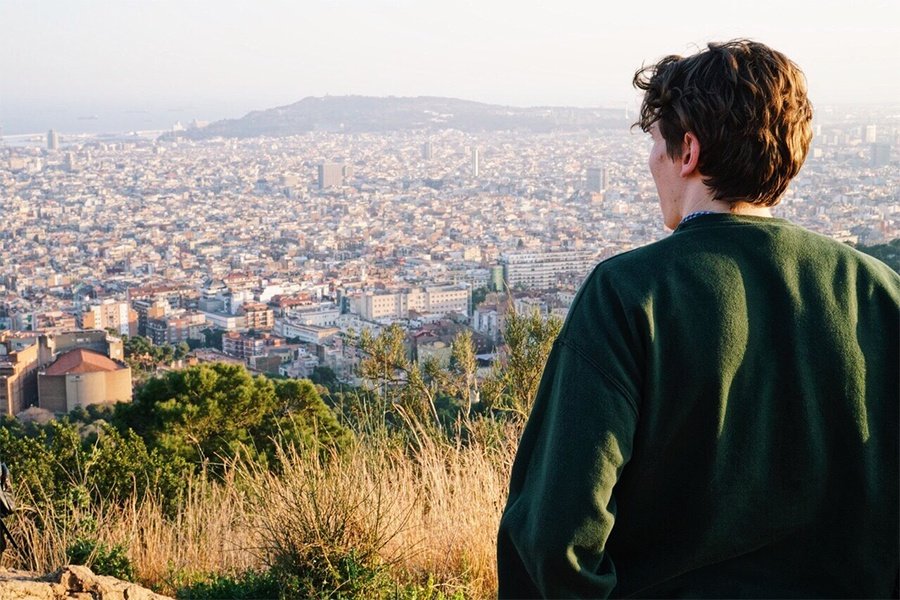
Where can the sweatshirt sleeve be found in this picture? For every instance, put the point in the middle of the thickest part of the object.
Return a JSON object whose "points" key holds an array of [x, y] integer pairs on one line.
{"points": [[561, 506]]}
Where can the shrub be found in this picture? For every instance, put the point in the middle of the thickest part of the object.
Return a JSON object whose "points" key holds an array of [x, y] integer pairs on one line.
{"points": [[102, 559], [318, 571], [246, 585]]}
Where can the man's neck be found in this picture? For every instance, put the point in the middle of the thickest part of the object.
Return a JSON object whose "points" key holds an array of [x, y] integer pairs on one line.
{"points": [[721, 206]]}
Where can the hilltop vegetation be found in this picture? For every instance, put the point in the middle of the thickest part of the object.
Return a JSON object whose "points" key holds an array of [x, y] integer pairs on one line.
{"points": [[354, 114], [888, 253], [217, 483]]}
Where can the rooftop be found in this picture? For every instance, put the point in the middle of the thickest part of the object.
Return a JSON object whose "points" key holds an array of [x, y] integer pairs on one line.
{"points": [[81, 360]]}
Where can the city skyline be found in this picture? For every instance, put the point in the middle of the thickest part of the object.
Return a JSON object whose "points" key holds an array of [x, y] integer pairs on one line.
{"points": [[164, 62]]}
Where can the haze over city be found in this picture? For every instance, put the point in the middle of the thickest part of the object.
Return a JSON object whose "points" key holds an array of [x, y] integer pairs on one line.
{"points": [[114, 66]]}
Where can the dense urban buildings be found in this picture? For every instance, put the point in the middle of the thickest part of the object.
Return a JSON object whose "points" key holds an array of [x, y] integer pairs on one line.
{"points": [[278, 251]]}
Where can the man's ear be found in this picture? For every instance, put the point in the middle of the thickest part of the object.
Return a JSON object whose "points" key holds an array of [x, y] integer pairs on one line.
{"points": [[690, 154]]}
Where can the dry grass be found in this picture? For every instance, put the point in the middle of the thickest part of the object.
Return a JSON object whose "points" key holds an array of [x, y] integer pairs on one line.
{"points": [[201, 538], [455, 493], [429, 509]]}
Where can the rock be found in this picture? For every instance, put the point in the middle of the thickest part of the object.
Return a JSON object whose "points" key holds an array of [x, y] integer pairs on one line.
{"points": [[71, 582]]}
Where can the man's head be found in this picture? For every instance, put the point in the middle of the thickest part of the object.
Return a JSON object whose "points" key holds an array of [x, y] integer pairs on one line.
{"points": [[747, 106]]}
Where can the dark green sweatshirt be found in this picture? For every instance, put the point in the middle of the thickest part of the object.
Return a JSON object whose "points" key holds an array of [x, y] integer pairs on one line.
{"points": [[718, 418]]}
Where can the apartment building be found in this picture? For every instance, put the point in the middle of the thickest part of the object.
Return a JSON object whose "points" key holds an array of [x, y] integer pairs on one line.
{"points": [[372, 305], [18, 377], [322, 314], [147, 309], [110, 314], [544, 269], [258, 316], [246, 346], [177, 327], [176, 294], [310, 334]]}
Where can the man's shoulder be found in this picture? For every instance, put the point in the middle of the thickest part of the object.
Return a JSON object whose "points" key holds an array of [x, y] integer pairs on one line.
{"points": [[756, 239], [843, 256], [720, 249], [619, 282], [636, 265]]}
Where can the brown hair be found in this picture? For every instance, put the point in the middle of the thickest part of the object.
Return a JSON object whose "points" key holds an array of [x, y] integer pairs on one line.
{"points": [[747, 105]]}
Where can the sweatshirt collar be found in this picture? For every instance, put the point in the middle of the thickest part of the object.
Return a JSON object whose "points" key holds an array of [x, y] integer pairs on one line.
{"points": [[700, 218]]}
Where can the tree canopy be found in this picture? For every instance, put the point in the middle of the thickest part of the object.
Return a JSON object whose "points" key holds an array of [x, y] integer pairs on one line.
{"points": [[209, 412]]}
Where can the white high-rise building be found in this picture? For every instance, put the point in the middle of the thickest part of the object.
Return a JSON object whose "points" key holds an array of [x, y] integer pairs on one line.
{"points": [[333, 174], [52, 140], [475, 165], [871, 135]]}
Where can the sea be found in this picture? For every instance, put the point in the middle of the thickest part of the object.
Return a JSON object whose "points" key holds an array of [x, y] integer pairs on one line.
{"points": [[28, 126]]}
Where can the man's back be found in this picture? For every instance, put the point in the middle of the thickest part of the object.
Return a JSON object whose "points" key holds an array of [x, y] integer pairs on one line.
{"points": [[746, 372]]}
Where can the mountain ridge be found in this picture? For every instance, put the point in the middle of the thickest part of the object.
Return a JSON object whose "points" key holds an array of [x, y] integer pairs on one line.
{"points": [[357, 114]]}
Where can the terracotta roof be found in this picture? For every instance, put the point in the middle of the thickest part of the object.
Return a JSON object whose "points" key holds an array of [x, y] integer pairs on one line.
{"points": [[81, 360]]}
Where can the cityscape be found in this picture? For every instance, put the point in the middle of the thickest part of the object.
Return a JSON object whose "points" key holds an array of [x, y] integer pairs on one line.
{"points": [[275, 252], [289, 299]]}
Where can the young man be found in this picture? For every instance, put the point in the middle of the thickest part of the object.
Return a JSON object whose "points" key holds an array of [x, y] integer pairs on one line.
{"points": [[719, 415]]}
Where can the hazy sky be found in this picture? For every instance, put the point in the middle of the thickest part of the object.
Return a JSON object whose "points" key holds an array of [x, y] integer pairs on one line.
{"points": [[223, 58]]}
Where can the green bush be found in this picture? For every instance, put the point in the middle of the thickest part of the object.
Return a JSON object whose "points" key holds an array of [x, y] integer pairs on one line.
{"points": [[101, 559], [247, 585], [350, 578], [205, 414], [314, 573]]}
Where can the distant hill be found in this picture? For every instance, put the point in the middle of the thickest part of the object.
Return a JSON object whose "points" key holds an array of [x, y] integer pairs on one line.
{"points": [[370, 114]]}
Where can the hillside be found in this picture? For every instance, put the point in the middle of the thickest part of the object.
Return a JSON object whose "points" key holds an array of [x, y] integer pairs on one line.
{"points": [[370, 114]]}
